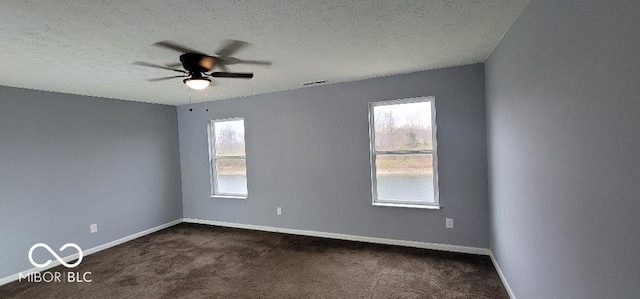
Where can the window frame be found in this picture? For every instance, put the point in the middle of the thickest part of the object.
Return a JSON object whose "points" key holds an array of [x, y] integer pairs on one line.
{"points": [[213, 158], [433, 152]]}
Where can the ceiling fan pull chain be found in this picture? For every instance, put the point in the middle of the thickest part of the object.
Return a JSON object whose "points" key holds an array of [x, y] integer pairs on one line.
{"points": [[189, 95]]}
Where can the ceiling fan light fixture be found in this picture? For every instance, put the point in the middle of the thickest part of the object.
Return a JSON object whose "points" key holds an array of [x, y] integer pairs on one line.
{"points": [[197, 83]]}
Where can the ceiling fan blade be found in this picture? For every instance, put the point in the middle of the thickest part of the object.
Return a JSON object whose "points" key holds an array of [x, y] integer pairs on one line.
{"points": [[221, 65], [258, 62], [231, 75], [174, 65], [231, 46], [142, 63], [165, 78], [176, 47], [233, 60]]}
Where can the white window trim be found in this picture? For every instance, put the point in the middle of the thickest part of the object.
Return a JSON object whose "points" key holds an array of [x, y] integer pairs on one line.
{"points": [[372, 152], [213, 158]]}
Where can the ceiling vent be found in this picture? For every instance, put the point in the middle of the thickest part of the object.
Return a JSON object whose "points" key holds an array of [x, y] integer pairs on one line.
{"points": [[314, 82]]}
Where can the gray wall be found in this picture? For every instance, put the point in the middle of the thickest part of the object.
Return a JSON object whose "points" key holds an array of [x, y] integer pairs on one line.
{"points": [[308, 152], [67, 161], [563, 92]]}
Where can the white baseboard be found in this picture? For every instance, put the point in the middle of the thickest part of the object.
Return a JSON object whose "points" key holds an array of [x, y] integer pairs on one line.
{"points": [[502, 277], [72, 257], [416, 244]]}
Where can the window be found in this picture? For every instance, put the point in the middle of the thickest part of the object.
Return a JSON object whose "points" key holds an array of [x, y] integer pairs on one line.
{"points": [[403, 153], [227, 158]]}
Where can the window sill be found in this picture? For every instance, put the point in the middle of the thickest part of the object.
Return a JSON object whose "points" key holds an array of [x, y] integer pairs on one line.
{"points": [[407, 205], [221, 196]]}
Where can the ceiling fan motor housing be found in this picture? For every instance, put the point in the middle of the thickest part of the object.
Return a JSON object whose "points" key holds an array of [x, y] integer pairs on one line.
{"points": [[197, 63]]}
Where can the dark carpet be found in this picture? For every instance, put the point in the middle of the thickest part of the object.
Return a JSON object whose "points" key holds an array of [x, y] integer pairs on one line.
{"points": [[198, 261]]}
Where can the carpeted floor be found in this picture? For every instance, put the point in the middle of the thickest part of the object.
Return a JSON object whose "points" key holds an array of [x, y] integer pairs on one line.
{"points": [[198, 261]]}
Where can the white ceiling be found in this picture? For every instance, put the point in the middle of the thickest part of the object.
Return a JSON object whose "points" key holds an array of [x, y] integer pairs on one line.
{"points": [[88, 46]]}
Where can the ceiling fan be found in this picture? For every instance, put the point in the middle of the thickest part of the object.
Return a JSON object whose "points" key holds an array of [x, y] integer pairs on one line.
{"points": [[197, 65]]}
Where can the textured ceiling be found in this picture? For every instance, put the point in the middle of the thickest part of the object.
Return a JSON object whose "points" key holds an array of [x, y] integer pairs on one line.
{"points": [[88, 46]]}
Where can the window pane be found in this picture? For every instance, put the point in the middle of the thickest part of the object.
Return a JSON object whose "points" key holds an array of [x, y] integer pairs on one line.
{"points": [[403, 127], [405, 178], [229, 138], [232, 176]]}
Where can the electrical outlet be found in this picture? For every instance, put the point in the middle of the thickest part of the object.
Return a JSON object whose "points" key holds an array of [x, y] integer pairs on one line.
{"points": [[279, 211], [93, 228], [449, 223]]}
